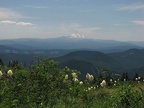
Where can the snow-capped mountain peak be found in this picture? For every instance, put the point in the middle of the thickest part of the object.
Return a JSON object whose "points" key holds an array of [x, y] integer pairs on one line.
{"points": [[76, 35]]}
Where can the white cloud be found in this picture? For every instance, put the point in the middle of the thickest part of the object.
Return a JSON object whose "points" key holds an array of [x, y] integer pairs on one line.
{"points": [[138, 22], [27, 29], [7, 22], [132, 7], [6, 13], [24, 23], [16, 23]]}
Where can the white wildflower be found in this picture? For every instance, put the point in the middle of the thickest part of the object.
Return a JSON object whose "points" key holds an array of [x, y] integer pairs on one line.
{"points": [[81, 83], [124, 79], [74, 75], [89, 88], [66, 77], [10, 73], [136, 79], [110, 80], [89, 77], [103, 83], [115, 81], [75, 79], [1, 74], [114, 84], [139, 78], [41, 103]]}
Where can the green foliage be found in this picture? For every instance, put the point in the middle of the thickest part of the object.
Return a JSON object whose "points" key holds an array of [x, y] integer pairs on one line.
{"points": [[126, 97], [44, 85]]}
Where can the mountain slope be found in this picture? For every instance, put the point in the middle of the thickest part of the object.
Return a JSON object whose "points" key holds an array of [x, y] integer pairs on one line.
{"points": [[95, 60], [82, 66], [91, 61], [132, 58]]}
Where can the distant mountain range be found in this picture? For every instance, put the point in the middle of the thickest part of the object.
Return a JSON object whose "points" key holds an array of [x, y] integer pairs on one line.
{"points": [[84, 55], [70, 43]]}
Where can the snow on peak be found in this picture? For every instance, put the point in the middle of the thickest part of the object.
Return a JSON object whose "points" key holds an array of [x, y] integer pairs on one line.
{"points": [[76, 35]]}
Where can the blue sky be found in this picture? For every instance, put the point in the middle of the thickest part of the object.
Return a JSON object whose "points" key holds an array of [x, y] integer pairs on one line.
{"points": [[99, 19]]}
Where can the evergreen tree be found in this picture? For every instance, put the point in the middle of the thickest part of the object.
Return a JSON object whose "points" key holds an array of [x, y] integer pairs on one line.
{"points": [[124, 76], [135, 76], [1, 62]]}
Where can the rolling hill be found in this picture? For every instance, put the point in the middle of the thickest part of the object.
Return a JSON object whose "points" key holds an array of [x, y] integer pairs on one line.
{"points": [[91, 61], [87, 61], [132, 58]]}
